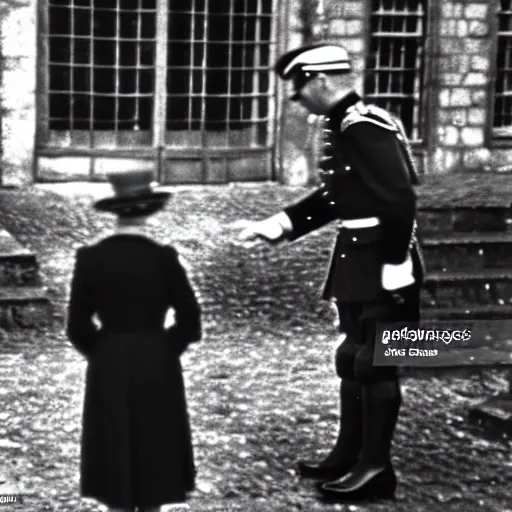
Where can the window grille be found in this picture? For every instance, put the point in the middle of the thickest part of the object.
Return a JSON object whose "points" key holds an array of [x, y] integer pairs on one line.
{"points": [[394, 71], [157, 74], [218, 66], [101, 66], [502, 119]]}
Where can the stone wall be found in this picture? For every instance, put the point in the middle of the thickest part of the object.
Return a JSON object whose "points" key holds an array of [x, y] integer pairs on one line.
{"points": [[18, 89], [464, 56]]}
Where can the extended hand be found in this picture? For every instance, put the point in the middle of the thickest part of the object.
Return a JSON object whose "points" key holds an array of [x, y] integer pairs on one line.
{"points": [[271, 229], [268, 229]]}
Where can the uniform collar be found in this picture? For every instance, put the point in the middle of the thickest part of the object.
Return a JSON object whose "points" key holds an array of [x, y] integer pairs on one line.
{"points": [[337, 112]]}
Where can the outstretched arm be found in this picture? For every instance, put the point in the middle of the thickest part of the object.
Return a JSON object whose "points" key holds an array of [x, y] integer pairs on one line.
{"points": [[294, 221]]}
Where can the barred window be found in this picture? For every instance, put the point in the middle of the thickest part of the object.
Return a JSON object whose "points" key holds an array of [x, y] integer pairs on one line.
{"points": [[101, 64], [502, 121], [133, 66], [220, 55], [394, 70]]}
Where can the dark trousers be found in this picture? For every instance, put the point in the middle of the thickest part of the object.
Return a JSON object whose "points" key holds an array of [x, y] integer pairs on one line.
{"points": [[354, 357]]}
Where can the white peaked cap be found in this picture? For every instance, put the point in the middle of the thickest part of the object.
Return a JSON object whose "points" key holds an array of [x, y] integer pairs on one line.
{"points": [[318, 59]]}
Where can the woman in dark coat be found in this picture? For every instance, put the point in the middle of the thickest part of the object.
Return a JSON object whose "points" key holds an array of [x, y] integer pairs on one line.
{"points": [[136, 441]]}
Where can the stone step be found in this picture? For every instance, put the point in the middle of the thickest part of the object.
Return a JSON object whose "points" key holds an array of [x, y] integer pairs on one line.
{"points": [[24, 306], [465, 289], [460, 364], [490, 274], [467, 251], [471, 239], [18, 266], [485, 312], [494, 414], [464, 219]]}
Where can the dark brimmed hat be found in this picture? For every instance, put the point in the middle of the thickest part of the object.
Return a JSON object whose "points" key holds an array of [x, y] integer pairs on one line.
{"points": [[316, 58], [134, 194]]}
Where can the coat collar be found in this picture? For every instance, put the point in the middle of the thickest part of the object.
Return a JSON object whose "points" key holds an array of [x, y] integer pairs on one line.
{"points": [[131, 230], [338, 111], [137, 231]]}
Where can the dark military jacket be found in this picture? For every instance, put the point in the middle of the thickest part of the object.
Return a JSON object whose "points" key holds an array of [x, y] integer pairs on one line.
{"points": [[365, 172]]}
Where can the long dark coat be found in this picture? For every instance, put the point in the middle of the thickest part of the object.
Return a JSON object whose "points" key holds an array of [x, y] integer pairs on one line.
{"points": [[136, 442]]}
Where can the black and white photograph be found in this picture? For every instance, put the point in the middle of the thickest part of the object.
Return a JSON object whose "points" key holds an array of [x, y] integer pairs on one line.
{"points": [[256, 255]]}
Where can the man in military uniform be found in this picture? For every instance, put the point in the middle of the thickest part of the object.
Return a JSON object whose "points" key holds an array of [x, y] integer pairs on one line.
{"points": [[367, 177]]}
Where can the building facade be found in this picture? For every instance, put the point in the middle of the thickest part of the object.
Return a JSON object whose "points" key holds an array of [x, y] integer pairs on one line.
{"points": [[89, 86]]}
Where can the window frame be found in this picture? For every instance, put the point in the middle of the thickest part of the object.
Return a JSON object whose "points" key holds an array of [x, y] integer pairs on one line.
{"points": [[158, 148], [431, 16], [495, 136]]}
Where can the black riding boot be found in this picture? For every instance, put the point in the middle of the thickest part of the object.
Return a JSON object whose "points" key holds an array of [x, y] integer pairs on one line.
{"points": [[345, 452], [373, 475]]}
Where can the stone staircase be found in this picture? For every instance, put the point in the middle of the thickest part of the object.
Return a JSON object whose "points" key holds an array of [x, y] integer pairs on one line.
{"points": [[468, 253], [24, 301]]}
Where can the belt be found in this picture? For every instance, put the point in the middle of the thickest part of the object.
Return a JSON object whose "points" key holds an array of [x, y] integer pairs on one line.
{"points": [[365, 222]]}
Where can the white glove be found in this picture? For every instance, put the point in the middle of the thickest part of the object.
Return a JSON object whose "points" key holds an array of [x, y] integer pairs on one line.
{"points": [[397, 276], [272, 228]]}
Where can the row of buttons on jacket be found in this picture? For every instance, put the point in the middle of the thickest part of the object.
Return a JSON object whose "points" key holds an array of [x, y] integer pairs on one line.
{"points": [[327, 170]]}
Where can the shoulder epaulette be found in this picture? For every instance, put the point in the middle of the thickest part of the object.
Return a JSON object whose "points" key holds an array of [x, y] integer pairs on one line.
{"points": [[361, 113]]}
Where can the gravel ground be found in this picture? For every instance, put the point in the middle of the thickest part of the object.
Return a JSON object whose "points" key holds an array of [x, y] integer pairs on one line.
{"points": [[261, 385]]}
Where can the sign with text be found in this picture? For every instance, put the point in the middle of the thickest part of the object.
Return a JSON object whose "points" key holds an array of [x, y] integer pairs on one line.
{"points": [[442, 343]]}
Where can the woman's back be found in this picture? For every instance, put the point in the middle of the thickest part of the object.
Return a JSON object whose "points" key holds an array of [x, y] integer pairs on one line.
{"points": [[129, 281], [133, 281]]}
